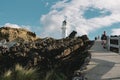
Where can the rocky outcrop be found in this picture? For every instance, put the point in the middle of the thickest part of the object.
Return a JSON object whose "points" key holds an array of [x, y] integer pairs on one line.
{"points": [[64, 55]]}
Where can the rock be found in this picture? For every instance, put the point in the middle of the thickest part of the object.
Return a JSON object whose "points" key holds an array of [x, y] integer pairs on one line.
{"points": [[65, 55], [72, 34]]}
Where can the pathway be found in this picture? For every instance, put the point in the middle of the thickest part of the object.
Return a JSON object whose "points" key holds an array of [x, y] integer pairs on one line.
{"points": [[104, 65]]}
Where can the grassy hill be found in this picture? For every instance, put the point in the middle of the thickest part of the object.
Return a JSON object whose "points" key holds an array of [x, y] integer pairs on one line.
{"points": [[16, 34]]}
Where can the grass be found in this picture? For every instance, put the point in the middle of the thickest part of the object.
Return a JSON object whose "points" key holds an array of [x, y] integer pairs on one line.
{"points": [[20, 73]]}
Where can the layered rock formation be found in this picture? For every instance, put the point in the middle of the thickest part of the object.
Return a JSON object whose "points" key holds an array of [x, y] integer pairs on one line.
{"points": [[64, 55]]}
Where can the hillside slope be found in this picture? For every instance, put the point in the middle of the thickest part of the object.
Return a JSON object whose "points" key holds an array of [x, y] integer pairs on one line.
{"points": [[17, 34]]}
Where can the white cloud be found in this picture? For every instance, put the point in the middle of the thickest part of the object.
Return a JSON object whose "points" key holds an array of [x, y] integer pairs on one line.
{"points": [[74, 11], [115, 31], [11, 25], [17, 26]]}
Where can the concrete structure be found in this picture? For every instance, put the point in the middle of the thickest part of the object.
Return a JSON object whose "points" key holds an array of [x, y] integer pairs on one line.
{"points": [[104, 65]]}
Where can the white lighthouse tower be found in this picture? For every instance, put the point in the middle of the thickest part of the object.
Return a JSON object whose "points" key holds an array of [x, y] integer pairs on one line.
{"points": [[64, 23]]}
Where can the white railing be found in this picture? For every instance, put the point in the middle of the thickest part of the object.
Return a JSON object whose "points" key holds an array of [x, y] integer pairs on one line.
{"points": [[113, 42]]}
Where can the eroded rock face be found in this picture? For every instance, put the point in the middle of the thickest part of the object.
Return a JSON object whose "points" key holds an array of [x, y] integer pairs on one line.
{"points": [[65, 55]]}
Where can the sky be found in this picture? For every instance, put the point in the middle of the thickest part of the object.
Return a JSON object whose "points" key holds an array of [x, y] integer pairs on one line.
{"points": [[45, 17]]}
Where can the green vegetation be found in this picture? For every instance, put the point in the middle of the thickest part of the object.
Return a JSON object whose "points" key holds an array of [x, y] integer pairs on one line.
{"points": [[20, 73], [54, 75]]}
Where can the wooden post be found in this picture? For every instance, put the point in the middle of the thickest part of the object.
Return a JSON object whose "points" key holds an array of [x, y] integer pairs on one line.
{"points": [[119, 44]]}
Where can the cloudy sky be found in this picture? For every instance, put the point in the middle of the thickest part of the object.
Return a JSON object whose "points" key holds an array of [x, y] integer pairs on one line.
{"points": [[44, 17]]}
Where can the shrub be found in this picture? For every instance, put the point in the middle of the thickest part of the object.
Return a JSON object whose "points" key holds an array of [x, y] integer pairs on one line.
{"points": [[55, 75]]}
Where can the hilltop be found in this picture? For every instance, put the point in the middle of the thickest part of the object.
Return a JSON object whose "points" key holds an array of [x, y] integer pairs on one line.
{"points": [[16, 34]]}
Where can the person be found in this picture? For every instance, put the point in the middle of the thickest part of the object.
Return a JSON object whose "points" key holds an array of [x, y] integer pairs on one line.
{"points": [[104, 39], [95, 38]]}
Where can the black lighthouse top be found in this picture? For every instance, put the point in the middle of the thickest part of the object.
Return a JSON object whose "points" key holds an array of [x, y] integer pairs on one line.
{"points": [[64, 23]]}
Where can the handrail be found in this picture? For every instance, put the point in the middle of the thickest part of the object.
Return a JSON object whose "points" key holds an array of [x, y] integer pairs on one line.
{"points": [[113, 42]]}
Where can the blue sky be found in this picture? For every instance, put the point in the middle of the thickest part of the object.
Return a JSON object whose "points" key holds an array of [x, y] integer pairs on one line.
{"points": [[44, 17], [22, 12]]}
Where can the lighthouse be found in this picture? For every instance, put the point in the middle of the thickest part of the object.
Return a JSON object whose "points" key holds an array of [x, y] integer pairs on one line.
{"points": [[64, 23]]}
